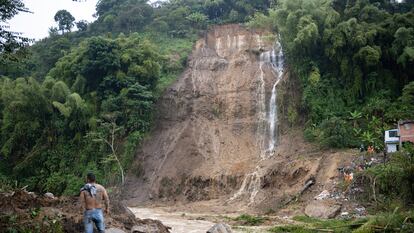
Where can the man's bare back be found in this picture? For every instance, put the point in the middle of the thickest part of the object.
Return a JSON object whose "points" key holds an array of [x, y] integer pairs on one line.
{"points": [[89, 202]]}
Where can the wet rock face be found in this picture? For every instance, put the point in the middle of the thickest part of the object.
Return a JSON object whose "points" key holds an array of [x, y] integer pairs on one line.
{"points": [[207, 121]]}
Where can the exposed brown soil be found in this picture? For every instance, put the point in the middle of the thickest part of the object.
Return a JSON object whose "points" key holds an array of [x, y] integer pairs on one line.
{"points": [[206, 152]]}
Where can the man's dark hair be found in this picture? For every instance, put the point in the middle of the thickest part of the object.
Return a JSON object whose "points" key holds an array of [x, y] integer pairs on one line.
{"points": [[91, 177]]}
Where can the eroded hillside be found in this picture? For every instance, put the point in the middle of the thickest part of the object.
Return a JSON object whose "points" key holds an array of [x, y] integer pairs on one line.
{"points": [[213, 133]]}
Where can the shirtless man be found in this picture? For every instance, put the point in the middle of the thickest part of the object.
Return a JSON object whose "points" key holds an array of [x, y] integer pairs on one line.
{"points": [[91, 198]]}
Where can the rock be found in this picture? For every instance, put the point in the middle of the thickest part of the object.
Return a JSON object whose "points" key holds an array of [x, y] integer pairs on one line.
{"points": [[114, 230], [360, 211], [49, 195], [220, 228], [345, 215], [325, 209], [323, 195]]}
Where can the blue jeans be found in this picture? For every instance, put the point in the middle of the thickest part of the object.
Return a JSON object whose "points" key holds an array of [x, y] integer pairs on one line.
{"points": [[93, 216]]}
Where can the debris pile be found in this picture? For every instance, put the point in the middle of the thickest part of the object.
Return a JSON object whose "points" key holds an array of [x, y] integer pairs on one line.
{"points": [[24, 211]]}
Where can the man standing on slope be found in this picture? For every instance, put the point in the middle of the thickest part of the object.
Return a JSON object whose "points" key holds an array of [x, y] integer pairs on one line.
{"points": [[91, 197]]}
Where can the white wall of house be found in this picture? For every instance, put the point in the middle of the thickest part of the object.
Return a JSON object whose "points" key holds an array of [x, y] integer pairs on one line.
{"points": [[391, 136], [391, 148]]}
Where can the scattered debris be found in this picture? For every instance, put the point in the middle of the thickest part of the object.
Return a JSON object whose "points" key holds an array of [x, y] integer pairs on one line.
{"points": [[311, 181], [323, 195], [348, 177], [345, 215], [360, 211], [25, 212]]}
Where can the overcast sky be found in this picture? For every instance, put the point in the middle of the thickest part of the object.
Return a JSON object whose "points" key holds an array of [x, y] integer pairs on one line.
{"points": [[37, 25]]}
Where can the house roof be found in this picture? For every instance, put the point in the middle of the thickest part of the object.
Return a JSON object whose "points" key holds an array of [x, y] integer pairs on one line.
{"points": [[403, 122]]}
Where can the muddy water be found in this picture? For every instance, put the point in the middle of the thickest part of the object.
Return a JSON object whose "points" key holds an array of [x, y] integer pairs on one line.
{"points": [[179, 222], [188, 223]]}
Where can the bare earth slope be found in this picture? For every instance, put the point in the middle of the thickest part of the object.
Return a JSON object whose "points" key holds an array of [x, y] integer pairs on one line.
{"points": [[210, 136]]}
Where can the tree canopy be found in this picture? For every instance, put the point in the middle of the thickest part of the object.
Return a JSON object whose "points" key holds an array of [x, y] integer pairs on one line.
{"points": [[65, 20], [359, 50]]}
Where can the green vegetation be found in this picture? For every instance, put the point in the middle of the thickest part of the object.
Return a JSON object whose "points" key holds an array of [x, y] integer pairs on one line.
{"points": [[65, 20], [249, 220], [14, 225], [83, 100], [351, 57], [389, 222], [390, 185], [45, 124]]}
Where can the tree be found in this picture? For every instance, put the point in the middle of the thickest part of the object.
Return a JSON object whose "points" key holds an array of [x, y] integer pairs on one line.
{"points": [[10, 41], [198, 20], [82, 25], [109, 133], [407, 101], [65, 20]]}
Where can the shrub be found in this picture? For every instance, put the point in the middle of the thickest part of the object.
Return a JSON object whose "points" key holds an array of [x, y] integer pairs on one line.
{"points": [[394, 179], [249, 220], [336, 133]]}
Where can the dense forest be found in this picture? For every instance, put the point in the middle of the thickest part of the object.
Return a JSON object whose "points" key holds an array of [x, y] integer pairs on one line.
{"points": [[83, 99], [355, 61]]}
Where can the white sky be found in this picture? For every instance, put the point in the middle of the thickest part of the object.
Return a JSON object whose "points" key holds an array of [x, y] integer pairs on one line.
{"points": [[37, 25]]}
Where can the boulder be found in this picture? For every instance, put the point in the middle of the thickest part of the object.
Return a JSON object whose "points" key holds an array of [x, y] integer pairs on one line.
{"points": [[220, 228], [325, 209]]}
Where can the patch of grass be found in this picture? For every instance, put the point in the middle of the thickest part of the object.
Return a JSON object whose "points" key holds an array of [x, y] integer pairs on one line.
{"points": [[389, 222], [386, 222], [336, 225], [291, 228], [174, 54], [249, 220]]}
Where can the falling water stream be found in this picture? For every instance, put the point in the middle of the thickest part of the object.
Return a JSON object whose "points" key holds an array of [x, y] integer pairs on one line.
{"points": [[267, 121], [277, 61]]}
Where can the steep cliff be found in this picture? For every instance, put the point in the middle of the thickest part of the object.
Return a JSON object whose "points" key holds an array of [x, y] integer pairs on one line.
{"points": [[216, 135]]}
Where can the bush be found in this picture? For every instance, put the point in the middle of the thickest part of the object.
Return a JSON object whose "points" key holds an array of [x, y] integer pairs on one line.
{"points": [[389, 222], [311, 133], [393, 180], [336, 133]]}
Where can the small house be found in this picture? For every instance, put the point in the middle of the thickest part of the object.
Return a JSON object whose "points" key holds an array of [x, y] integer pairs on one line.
{"points": [[406, 131], [395, 138], [392, 141]]}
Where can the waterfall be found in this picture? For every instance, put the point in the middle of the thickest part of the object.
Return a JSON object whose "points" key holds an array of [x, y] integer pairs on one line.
{"points": [[277, 61], [274, 58]]}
